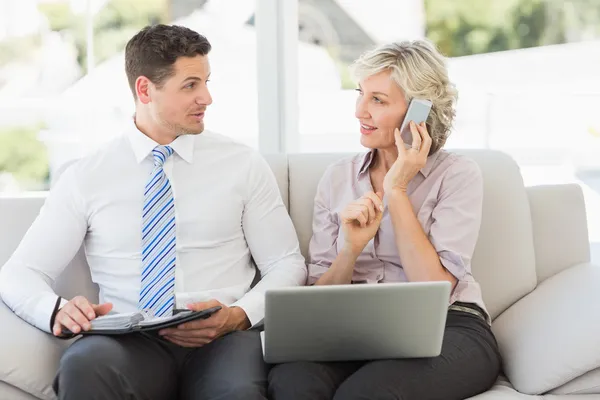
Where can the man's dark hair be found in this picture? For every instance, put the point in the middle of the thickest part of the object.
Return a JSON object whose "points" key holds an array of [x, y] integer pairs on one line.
{"points": [[153, 51]]}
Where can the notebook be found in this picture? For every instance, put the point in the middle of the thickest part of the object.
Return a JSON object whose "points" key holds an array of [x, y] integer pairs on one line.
{"points": [[140, 321]]}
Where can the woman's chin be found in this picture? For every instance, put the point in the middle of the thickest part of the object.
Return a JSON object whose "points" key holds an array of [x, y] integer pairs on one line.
{"points": [[368, 141]]}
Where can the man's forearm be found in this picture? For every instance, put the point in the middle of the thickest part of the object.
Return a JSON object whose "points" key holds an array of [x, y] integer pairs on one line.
{"points": [[34, 302]]}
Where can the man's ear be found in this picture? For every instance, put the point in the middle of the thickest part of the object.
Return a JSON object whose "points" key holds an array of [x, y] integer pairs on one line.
{"points": [[142, 89]]}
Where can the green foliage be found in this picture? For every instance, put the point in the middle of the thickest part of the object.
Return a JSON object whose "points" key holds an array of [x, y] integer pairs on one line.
{"points": [[114, 24], [122, 14], [23, 156], [462, 28], [59, 15], [16, 49]]}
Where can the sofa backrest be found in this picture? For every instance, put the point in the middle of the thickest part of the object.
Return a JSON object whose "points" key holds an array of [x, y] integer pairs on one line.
{"points": [[504, 261], [505, 256]]}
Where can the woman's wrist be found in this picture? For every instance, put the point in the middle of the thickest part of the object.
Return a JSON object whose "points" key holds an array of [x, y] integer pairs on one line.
{"points": [[395, 191], [352, 251]]}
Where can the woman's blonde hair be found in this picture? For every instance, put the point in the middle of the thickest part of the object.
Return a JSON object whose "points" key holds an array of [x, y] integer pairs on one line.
{"points": [[420, 71]]}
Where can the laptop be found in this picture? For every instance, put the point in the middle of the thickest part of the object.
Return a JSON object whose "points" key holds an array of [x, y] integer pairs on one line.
{"points": [[355, 322]]}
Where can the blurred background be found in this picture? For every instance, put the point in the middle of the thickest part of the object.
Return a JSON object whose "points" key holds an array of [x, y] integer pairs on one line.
{"points": [[527, 71]]}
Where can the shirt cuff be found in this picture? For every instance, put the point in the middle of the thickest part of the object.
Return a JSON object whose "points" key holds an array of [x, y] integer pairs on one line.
{"points": [[44, 311], [253, 305], [454, 264]]}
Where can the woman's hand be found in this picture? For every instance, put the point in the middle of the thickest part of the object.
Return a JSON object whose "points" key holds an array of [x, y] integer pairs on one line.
{"points": [[410, 161], [360, 221]]}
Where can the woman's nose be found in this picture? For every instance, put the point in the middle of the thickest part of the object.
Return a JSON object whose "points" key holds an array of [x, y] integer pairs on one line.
{"points": [[361, 110]]}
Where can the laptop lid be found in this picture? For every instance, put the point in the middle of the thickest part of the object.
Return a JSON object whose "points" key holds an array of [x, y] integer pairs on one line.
{"points": [[355, 322]]}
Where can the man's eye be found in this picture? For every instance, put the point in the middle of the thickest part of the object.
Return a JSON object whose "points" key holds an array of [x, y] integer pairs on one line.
{"points": [[190, 85]]}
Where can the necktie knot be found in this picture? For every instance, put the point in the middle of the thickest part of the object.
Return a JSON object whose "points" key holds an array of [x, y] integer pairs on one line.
{"points": [[161, 153]]}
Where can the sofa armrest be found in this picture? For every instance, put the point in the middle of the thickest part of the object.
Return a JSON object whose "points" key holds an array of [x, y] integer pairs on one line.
{"points": [[551, 336], [30, 357]]}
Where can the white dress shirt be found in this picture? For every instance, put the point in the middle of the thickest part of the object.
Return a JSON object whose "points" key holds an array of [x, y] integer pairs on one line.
{"points": [[228, 211]]}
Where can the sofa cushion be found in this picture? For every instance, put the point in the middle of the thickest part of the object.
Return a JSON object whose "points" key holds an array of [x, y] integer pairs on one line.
{"points": [[502, 390], [560, 232], [279, 166], [9, 392], [588, 383], [18, 213], [504, 259], [30, 357], [551, 336]]}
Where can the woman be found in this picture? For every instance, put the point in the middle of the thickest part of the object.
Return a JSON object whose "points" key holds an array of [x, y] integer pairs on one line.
{"points": [[401, 213]]}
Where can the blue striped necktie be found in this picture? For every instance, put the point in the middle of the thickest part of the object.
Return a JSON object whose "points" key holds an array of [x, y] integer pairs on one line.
{"points": [[157, 293]]}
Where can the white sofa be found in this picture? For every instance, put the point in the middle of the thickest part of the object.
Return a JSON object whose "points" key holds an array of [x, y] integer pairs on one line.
{"points": [[532, 261]]}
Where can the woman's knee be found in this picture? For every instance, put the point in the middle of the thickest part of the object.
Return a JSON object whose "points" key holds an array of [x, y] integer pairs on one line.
{"points": [[305, 380]]}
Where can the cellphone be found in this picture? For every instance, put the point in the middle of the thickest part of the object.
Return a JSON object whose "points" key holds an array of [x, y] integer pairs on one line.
{"points": [[418, 111]]}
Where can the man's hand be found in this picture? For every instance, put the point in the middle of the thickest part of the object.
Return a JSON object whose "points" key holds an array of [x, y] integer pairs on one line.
{"points": [[77, 314], [203, 331]]}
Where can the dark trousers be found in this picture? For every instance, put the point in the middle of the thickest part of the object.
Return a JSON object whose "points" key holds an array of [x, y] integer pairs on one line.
{"points": [[468, 365], [142, 366]]}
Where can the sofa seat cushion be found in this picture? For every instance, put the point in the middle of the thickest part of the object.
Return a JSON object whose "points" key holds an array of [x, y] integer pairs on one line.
{"points": [[588, 383], [502, 390]]}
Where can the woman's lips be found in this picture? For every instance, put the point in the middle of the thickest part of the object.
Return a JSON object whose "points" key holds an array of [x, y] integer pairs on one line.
{"points": [[367, 129]]}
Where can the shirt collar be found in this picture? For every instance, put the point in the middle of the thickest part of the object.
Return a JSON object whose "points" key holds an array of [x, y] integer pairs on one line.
{"points": [[142, 145], [369, 157]]}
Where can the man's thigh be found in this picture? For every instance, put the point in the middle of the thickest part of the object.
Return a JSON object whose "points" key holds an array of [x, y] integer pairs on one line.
{"points": [[229, 368], [117, 367]]}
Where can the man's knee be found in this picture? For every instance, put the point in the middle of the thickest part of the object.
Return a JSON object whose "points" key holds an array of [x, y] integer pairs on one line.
{"points": [[85, 364]]}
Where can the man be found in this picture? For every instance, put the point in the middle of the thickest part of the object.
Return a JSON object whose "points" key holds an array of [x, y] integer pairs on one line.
{"points": [[170, 218]]}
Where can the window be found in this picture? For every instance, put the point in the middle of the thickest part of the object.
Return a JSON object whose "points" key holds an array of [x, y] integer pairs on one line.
{"points": [[525, 71], [63, 88]]}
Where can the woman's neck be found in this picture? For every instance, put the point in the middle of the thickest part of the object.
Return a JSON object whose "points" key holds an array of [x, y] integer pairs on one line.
{"points": [[384, 159]]}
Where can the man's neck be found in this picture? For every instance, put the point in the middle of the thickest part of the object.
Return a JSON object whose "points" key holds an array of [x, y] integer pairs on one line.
{"points": [[153, 132]]}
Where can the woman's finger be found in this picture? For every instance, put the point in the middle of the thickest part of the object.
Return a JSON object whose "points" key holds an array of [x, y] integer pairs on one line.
{"points": [[366, 201], [377, 202], [399, 142], [416, 136], [361, 217], [426, 139]]}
